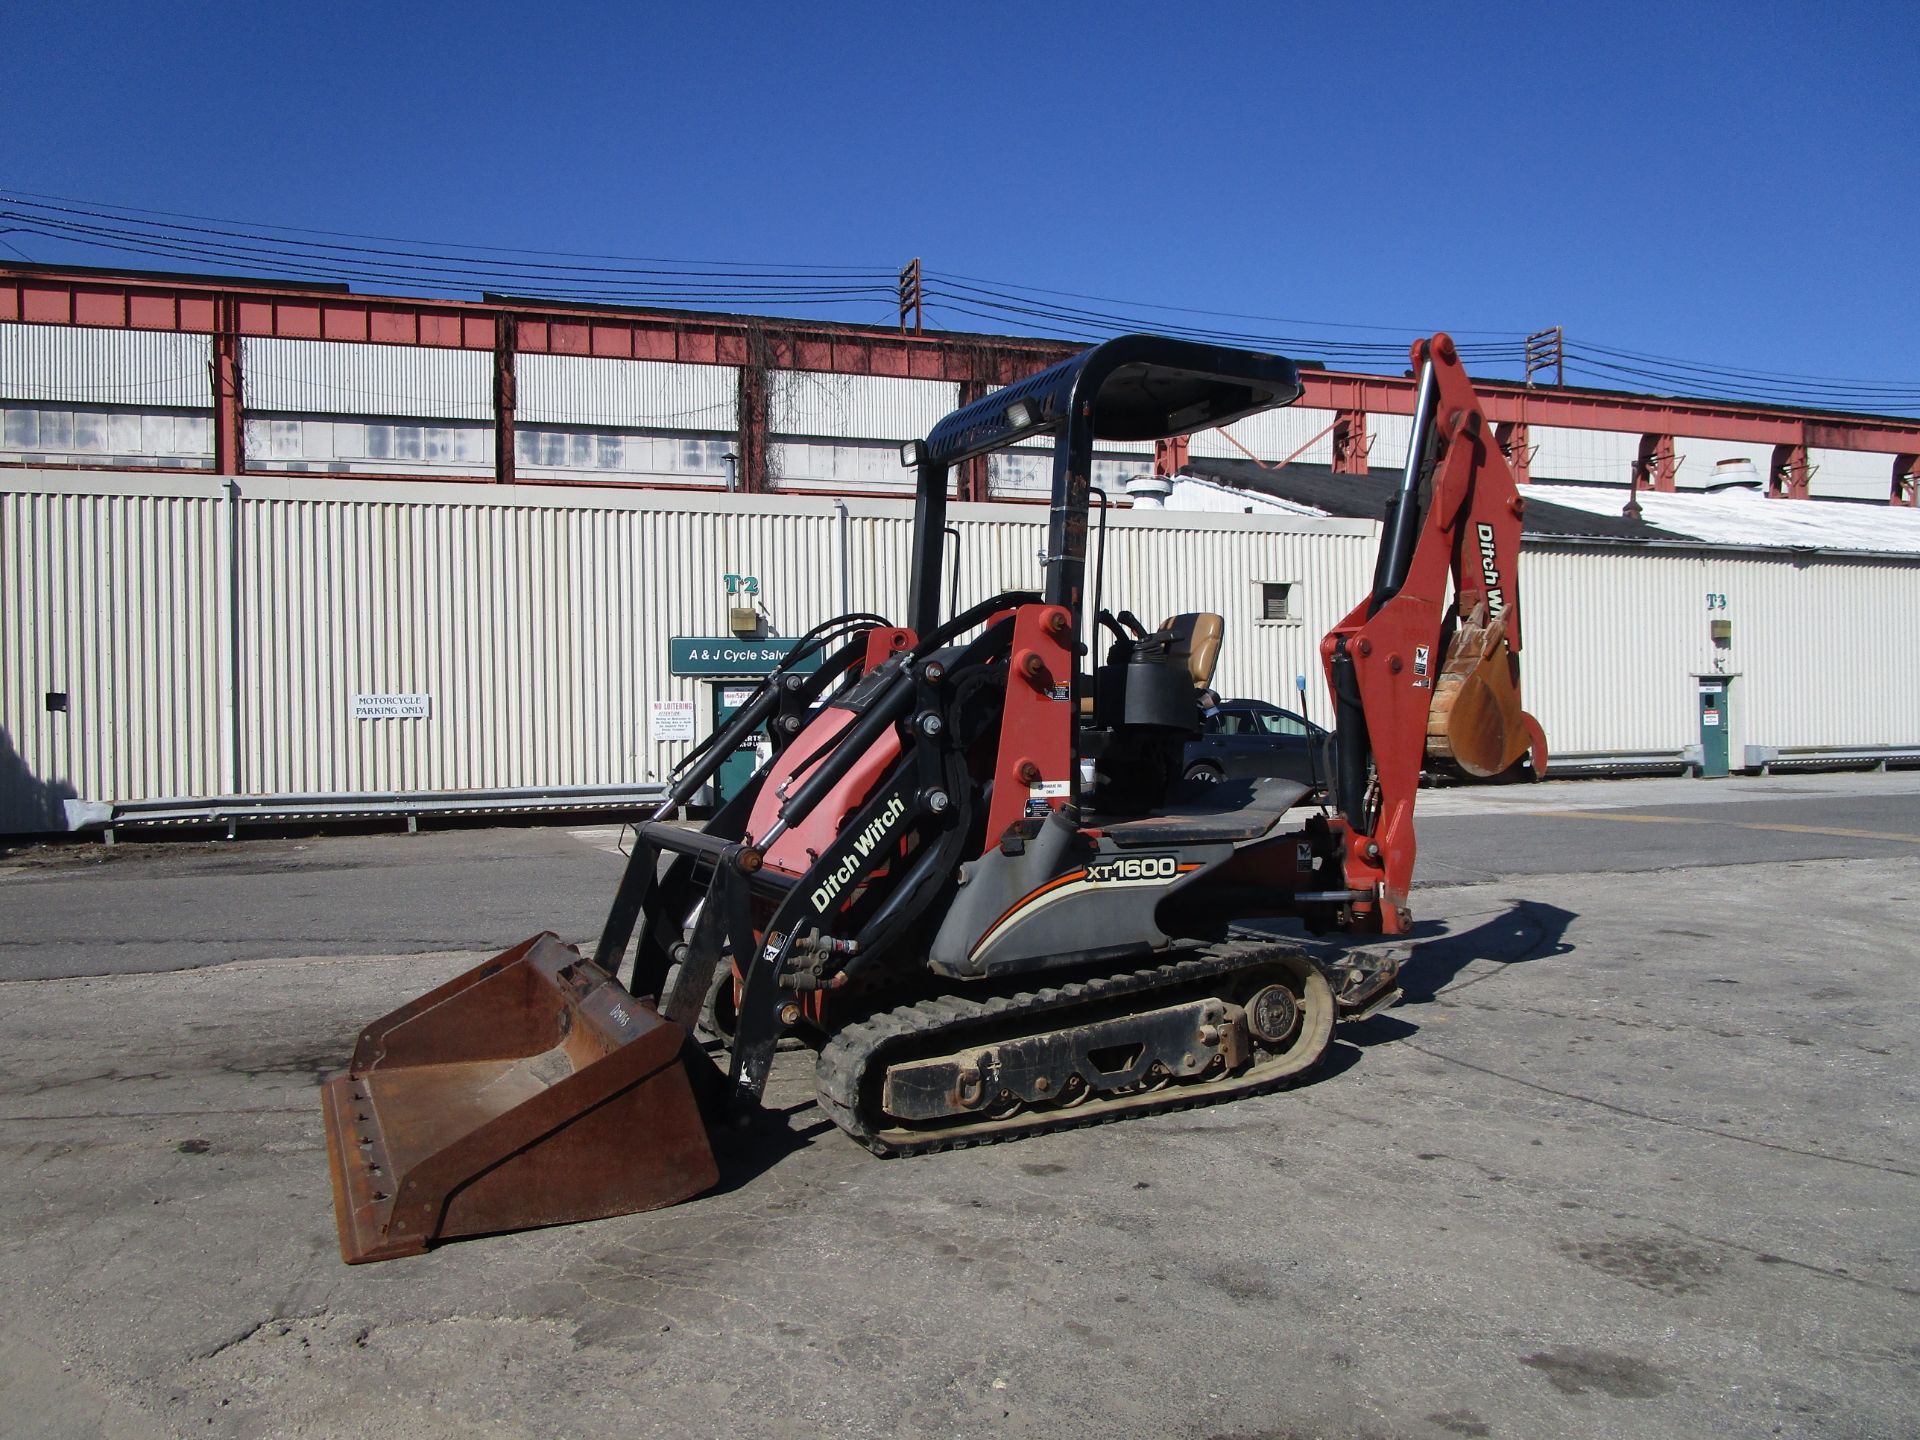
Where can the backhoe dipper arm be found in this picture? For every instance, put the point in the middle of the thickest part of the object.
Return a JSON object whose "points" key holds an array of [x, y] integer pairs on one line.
{"points": [[1415, 678]]}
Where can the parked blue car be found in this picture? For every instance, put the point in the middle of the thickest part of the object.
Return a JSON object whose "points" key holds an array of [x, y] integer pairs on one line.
{"points": [[1249, 739]]}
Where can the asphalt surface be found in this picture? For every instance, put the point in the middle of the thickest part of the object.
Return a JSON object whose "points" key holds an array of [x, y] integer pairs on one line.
{"points": [[150, 905], [1636, 1156]]}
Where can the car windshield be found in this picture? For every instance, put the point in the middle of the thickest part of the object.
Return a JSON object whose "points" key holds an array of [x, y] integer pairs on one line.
{"points": [[1257, 722], [1278, 722]]}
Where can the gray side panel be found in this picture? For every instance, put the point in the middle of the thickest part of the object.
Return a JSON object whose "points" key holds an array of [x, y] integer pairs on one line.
{"points": [[1061, 904]]}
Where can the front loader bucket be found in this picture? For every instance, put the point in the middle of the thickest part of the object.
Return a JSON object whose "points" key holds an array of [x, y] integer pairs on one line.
{"points": [[532, 1090]]}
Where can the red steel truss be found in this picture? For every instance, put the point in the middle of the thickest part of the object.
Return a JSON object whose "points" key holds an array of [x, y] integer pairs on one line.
{"points": [[229, 310]]}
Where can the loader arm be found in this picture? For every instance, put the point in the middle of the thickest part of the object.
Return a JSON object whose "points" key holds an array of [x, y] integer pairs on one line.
{"points": [[1425, 670]]}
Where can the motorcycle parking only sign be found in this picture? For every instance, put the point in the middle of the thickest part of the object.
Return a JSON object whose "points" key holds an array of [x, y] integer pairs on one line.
{"points": [[392, 707]]}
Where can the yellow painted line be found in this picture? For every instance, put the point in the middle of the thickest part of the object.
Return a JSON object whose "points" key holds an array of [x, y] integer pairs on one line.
{"points": [[1837, 830], [1618, 815]]}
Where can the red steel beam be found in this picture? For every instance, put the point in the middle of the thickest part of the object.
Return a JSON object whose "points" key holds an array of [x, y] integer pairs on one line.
{"points": [[53, 297], [229, 399], [1516, 442], [1350, 443], [1790, 474], [1575, 409], [506, 401]]}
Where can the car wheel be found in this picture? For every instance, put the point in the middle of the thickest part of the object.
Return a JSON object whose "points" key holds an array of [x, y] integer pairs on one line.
{"points": [[1209, 774]]}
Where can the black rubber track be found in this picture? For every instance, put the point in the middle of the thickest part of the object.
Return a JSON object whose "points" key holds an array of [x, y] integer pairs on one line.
{"points": [[944, 1022]]}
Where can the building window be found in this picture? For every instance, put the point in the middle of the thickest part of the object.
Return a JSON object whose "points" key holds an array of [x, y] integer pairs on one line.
{"points": [[1276, 602]]}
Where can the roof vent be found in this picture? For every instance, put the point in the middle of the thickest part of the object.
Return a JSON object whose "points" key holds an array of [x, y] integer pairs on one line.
{"points": [[1149, 492], [1736, 473]]}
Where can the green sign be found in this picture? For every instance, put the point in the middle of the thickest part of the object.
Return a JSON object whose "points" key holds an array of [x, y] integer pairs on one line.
{"points": [[723, 655]]}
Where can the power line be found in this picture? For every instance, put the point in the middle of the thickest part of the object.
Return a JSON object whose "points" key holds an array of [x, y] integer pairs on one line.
{"points": [[129, 210], [352, 257], [1007, 285], [1687, 367]]}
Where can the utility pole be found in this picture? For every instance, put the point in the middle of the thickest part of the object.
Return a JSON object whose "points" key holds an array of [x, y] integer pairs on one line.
{"points": [[1547, 350], [910, 295]]}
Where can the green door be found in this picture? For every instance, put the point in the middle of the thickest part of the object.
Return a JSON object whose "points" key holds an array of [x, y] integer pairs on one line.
{"points": [[738, 768], [1713, 729]]}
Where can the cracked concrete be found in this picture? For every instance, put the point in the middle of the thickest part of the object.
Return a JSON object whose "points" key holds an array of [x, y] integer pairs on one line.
{"points": [[1588, 1179]]}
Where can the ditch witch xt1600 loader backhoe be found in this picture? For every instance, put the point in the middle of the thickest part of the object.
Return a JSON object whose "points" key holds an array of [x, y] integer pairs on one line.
{"points": [[971, 871]]}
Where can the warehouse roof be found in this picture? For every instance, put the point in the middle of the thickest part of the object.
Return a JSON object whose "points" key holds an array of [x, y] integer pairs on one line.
{"points": [[1568, 511], [1746, 517], [1364, 497]]}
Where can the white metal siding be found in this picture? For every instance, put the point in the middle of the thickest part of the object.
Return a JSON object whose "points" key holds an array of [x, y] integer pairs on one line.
{"points": [[1854, 474], [1591, 455], [1388, 437], [1811, 650], [1271, 435], [626, 394], [1614, 641], [114, 597], [810, 403], [1611, 643], [1162, 563], [84, 365], [538, 626], [538, 621], [338, 377]]}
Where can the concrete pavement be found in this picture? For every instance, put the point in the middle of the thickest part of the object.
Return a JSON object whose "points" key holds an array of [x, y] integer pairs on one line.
{"points": [[1636, 1157]]}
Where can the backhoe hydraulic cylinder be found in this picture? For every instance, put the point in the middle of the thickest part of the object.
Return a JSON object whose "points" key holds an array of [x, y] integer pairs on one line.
{"points": [[1403, 517]]}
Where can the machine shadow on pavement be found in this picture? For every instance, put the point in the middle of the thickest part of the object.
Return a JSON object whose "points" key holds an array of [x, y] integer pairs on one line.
{"points": [[1527, 931], [745, 1152]]}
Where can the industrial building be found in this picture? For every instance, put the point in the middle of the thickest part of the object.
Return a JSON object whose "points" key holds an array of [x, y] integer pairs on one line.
{"points": [[275, 551]]}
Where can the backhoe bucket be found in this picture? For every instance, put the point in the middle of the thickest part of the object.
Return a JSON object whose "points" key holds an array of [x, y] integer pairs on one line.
{"points": [[1475, 719], [532, 1090]]}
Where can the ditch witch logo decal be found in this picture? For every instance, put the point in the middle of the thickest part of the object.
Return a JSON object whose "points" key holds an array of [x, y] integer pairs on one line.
{"points": [[1490, 572], [864, 845]]}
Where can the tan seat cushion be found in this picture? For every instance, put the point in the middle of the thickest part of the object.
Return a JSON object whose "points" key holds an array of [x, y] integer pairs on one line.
{"points": [[1196, 640]]}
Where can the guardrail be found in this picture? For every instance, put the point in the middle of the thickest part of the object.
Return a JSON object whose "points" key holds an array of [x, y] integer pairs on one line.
{"points": [[233, 811]]}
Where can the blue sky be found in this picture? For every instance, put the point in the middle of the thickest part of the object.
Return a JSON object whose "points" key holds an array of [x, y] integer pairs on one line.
{"points": [[1734, 184]]}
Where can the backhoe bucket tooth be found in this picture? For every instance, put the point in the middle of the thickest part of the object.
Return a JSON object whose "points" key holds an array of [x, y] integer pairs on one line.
{"points": [[532, 1090]]}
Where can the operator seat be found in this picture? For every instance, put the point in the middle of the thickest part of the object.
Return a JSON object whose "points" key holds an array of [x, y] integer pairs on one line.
{"points": [[1147, 708], [1196, 643]]}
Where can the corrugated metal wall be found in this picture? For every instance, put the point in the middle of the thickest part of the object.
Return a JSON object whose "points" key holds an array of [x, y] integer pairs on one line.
{"points": [[89, 366], [1598, 456], [112, 596], [1615, 639], [140, 375], [537, 620], [1272, 435], [337, 377], [813, 404], [626, 394], [537, 623]]}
